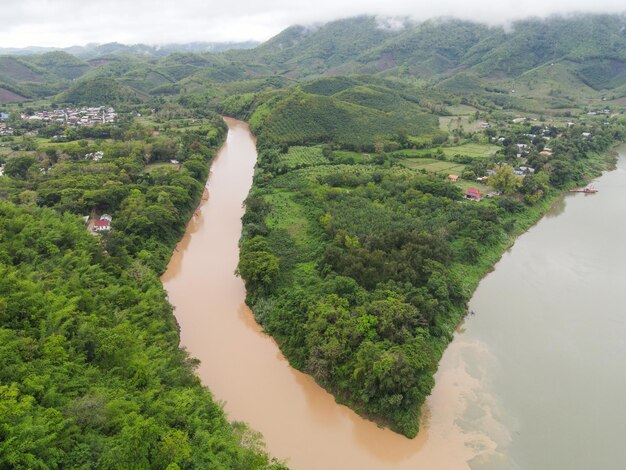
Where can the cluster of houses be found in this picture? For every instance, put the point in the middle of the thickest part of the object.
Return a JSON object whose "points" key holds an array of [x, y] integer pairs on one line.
{"points": [[95, 156], [103, 224], [595, 113], [475, 194], [5, 130], [75, 117], [4, 127]]}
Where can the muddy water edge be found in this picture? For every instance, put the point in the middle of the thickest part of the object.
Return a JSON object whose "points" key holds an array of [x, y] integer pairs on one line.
{"points": [[465, 425]]}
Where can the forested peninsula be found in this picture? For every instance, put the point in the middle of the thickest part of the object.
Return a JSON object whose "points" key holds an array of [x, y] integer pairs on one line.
{"points": [[361, 266]]}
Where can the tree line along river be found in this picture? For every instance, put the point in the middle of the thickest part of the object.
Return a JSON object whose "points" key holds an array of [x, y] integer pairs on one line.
{"points": [[534, 380]]}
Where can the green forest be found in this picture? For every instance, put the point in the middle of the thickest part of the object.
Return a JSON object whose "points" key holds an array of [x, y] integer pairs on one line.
{"points": [[91, 373], [362, 271], [395, 167]]}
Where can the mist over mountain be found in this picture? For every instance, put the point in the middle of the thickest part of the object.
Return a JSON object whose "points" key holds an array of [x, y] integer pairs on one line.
{"points": [[555, 61]]}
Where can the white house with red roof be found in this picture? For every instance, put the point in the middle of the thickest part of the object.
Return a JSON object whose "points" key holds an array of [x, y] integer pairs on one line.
{"points": [[104, 224], [101, 226], [473, 194]]}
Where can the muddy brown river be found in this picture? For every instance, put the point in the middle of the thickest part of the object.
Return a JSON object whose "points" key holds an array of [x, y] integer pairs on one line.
{"points": [[534, 380]]}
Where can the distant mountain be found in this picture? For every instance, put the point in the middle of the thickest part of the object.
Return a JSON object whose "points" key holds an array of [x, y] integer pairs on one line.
{"points": [[91, 51], [438, 48], [329, 48], [99, 91], [554, 63]]}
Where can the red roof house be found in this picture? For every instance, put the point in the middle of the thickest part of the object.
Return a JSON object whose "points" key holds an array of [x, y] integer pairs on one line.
{"points": [[101, 225], [473, 193]]}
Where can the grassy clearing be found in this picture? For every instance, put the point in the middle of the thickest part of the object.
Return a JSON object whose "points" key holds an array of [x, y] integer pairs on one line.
{"points": [[154, 166], [434, 166], [288, 215], [345, 156], [465, 123], [472, 150], [462, 110], [299, 156], [468, 150]]}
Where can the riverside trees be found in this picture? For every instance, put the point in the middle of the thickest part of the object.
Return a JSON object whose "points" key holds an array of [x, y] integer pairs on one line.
{"points": [[91, 375]]}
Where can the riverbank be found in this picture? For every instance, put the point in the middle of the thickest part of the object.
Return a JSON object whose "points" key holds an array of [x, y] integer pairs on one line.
{"points": [[530, 217], [93, 372], [297, 225], [243, 366], [546, 342], [246, 371]]}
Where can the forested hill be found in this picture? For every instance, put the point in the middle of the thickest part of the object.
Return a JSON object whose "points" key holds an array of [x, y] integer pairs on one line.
{"points": [[437, 47], [538, 55]]}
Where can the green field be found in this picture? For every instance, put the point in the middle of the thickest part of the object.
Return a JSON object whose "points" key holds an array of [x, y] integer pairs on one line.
{"points": [[434, 166], [461, 110], [155, 166], [462, 122], [299, 156], [346, 156], [470, 150]]}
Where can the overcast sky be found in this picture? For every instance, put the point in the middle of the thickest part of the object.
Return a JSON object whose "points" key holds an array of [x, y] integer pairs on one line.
{"points": [[76, 22]]}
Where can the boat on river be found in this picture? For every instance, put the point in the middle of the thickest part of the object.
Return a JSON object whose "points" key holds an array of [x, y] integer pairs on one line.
{"points": [[586, 189]]}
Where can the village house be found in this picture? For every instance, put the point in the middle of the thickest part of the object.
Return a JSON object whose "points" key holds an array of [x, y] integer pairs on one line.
{"points": [[474, 194], [95, 156], [88, 117], [453, 178], [5, 130], [104, 224], [101, 226]]}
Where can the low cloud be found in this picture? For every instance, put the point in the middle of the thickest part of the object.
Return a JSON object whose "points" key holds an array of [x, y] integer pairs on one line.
{"points": [[69, 22]]}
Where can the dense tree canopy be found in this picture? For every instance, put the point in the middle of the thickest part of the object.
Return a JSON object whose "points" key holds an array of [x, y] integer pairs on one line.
{"points": [[91, 375]]}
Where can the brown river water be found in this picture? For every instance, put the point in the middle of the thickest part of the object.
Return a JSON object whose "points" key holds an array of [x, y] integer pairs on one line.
{"points": [[536, 379]]}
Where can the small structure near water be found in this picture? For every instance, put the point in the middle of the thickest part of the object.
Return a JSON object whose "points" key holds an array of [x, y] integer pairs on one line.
{"points": [[587, 190]]}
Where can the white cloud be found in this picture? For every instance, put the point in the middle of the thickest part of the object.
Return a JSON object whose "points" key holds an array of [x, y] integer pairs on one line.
{"points": [[69, 22]]}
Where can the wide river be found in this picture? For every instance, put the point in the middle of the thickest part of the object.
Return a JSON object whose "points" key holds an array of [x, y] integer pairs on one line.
{"points": [[536, 379]]}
